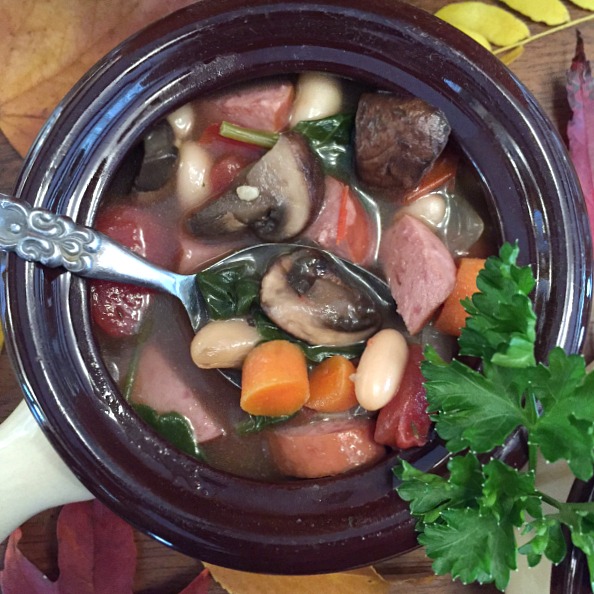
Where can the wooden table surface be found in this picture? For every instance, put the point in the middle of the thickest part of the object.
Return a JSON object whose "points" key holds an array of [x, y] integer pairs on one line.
{"points": [[162, 571]]}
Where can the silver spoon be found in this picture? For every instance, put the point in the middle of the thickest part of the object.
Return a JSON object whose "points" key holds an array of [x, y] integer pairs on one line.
{"points": [[39, 235]]}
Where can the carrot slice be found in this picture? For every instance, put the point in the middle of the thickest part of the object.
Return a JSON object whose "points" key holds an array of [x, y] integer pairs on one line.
{"points": [[331, 387], [453, 316], [443, 170], [274, 379]]}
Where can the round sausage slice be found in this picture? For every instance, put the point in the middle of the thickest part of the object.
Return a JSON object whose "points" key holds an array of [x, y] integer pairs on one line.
{"points": [[324, 448]]}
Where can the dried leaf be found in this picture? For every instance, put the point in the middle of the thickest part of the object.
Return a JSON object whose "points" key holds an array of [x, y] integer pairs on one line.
{"points": [[585, 4], [359, 581], [550, 12], [480, 39], [512, 55], [19, 574], [580, 130], [47, 46], [495, 24], [199, 585], [96, 555]]}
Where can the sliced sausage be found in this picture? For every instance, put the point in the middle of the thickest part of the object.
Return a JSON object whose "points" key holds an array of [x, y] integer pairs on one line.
{"points": [[324, 448], [159, 384], [343, 225], [266, 106], [397, 139], [420, 270], [404, 422]]}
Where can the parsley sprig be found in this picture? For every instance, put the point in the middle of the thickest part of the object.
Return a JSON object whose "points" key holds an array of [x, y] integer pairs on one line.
{"points": [[467, 520]]}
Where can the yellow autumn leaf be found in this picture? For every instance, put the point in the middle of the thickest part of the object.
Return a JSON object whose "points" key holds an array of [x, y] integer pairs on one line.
{"points": [[47, 46], [495, 24], [480, 39], [550, 12], [512, 55], [358, 581], [585, 4]]}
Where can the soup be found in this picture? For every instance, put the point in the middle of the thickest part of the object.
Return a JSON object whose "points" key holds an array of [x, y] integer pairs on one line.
{"points": [[373, 178]]}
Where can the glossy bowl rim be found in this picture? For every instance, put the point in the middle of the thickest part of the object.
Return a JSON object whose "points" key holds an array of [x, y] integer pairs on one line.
{"points": [[313, 526]]}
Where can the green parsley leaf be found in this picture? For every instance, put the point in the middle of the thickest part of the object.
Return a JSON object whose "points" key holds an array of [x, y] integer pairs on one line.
{"points": [[548, 540], [564, 430], [508, 494], [430, 494], [466, 522], [471, 545], [502, 326], [470, 409]]}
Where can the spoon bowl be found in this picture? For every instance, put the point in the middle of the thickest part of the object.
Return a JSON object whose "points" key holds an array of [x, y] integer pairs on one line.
{"points": [[38, 235]]}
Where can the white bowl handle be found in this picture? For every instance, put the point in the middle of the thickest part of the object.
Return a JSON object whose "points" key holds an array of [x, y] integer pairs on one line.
{"points": [[33, 477]]}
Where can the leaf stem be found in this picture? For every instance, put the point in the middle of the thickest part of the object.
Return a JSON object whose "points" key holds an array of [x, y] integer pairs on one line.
{"points": [[532, 406], [567, 25], [248, 135], [567, 509]]}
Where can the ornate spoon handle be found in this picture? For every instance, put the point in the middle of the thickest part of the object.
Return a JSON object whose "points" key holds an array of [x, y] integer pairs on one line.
{"points": [[39, 235]]}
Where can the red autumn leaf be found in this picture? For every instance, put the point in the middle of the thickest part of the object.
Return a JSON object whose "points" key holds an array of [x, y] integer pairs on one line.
{"points": [[19, 574], [96, 555], [580, 130], [199, 585]]}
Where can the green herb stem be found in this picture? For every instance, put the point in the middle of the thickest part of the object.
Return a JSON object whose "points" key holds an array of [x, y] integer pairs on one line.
{"points": [[551, 500], [248, 135], [532, 410]]}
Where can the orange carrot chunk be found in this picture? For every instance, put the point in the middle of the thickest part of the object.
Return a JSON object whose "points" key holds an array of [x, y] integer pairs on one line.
{"points": [[331, 387], [453, 316], [274, 379], [442, 171]]}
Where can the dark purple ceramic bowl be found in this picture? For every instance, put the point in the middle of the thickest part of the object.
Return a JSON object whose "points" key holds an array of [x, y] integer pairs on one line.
{"points": [[572, 576], [301, 526]]}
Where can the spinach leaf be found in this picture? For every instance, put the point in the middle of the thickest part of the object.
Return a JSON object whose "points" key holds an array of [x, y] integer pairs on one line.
{"points": [[316, 354], [229, 292], [171, 426], [330, 139], [256, 423]]}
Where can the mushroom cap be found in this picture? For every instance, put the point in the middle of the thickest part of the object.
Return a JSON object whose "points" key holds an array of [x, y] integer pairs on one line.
{"points": [[306, 295], [275, 199]]}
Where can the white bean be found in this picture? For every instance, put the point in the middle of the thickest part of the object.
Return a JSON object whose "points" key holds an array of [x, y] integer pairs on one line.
{"points": [[223, 344], [193, 175], [430, 209], [182, 121], [380, 369], [318, 96]]}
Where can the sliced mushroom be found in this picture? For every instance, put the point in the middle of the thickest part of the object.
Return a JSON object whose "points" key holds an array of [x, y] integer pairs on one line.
{"points": [[159, 159], [305, 295], [275, 199]]}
